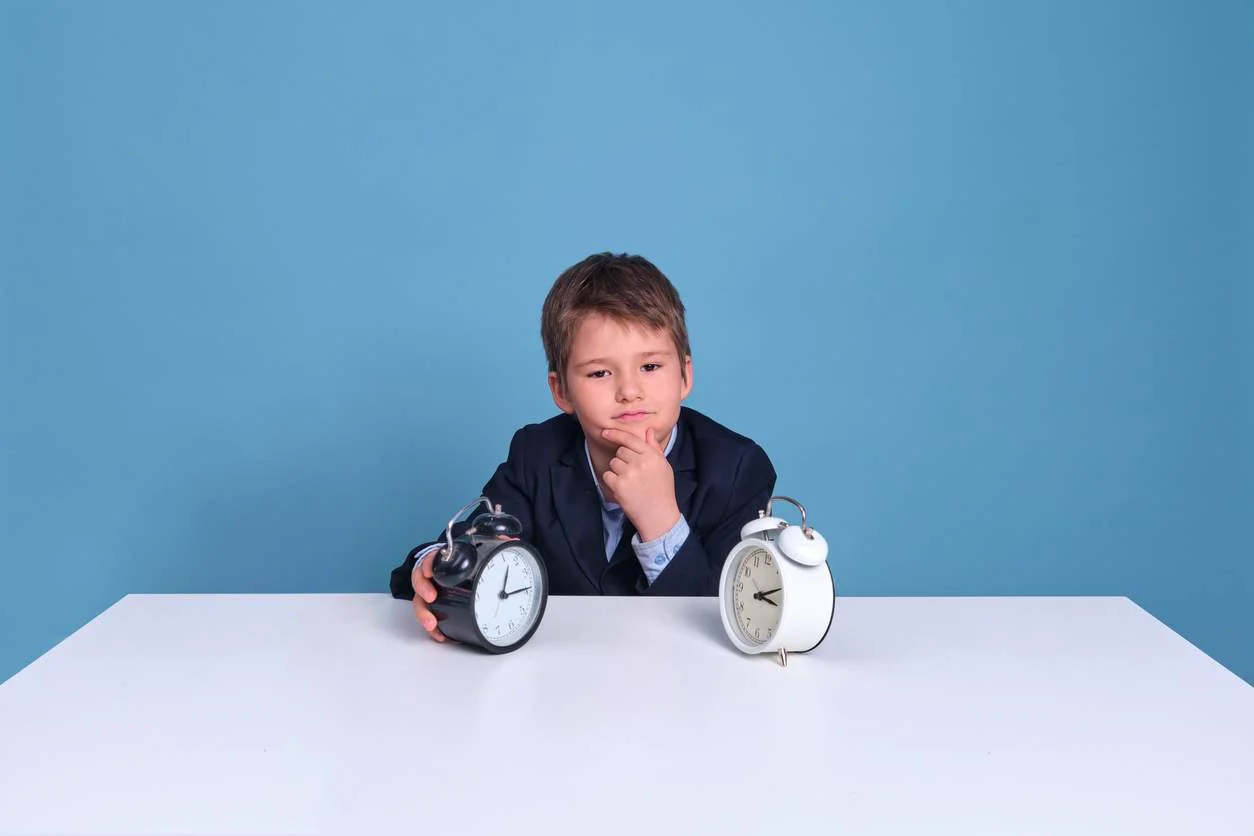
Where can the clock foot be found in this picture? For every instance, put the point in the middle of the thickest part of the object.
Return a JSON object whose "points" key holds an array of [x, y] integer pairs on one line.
{"points": [[783, 658]]}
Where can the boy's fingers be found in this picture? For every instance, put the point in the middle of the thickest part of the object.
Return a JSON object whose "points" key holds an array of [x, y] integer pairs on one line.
{"points": [[424, 593], [423, 588], [625, 439], [428, 621], [433, 630], [425, 617]]}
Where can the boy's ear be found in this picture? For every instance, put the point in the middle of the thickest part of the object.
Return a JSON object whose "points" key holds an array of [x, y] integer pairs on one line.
{"points": [[559, 394], [687, 378]]}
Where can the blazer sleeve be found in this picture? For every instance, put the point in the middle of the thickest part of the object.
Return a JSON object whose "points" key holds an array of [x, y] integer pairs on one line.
{"points": [[506, 488], [696, 567]]}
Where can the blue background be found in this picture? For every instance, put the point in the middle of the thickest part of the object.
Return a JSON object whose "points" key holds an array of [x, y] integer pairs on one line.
{"points": [[976, 274]]}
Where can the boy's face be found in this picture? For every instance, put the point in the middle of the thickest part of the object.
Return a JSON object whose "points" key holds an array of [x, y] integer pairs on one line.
{"points": [[622, 376]]}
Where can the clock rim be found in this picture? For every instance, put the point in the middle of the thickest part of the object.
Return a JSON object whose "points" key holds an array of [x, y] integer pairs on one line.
{"points": [[831, 615], [486, 643], [730, 568]]}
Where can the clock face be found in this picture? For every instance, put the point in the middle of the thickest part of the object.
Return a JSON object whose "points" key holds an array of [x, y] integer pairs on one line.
{"points": [[756, 596], [508, 595]]}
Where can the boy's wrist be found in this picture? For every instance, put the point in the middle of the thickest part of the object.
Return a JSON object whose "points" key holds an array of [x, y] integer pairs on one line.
{"points": [[658, 524], [655, 555]]}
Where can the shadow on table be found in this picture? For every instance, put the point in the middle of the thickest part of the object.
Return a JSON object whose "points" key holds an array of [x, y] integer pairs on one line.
{"points": [[708, 623], [398, 618], [840, 646]]}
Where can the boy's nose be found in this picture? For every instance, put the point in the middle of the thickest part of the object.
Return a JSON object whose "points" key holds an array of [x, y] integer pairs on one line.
{"points": [[628, 389]]}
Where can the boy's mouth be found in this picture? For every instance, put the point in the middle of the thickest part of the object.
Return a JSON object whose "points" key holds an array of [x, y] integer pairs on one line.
{"points": [[632, 415]]}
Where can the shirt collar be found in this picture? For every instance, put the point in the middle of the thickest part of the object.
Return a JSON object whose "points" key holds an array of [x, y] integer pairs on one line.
{"points": [[613, 506]]}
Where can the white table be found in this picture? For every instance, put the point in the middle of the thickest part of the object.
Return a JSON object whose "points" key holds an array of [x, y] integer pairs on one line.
{"points": [[333, 714]]}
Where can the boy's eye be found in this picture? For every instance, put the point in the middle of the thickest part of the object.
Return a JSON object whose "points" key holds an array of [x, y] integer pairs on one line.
{"points": [[651, 367], [598, 373]]}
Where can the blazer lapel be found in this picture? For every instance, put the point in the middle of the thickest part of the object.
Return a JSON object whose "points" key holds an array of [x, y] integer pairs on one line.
{"points": [[577, 509], [683, 461]]}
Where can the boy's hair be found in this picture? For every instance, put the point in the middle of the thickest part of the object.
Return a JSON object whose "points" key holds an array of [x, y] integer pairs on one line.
{"points": [[626, 288]]}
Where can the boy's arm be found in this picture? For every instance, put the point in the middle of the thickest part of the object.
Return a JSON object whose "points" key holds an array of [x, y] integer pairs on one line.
{"points": [[697, 565], [505, 488]]}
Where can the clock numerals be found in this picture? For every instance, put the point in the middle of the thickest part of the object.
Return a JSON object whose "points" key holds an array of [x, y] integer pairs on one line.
{"points": [[756, 596], [507, 595]]}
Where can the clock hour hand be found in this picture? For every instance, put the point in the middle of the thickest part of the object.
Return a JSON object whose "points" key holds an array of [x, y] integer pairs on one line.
{"points": [[763, 596], [515, 592]]}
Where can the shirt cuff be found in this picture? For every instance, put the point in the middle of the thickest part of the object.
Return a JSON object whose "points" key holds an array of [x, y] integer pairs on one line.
{"points": [[434, 547], [656, 554]]}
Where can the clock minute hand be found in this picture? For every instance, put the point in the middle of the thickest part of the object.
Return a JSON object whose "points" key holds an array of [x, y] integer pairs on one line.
{"points": [[763, 596]]}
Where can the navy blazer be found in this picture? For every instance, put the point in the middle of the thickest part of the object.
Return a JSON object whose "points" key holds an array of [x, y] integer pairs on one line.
{"points": [[722, 480]]}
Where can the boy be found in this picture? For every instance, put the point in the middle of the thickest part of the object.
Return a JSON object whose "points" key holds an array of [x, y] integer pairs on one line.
{"points": [[627, 492]]}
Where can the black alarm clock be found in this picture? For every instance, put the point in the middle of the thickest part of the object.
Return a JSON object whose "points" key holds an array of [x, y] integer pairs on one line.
{"points": [[491, 586]]}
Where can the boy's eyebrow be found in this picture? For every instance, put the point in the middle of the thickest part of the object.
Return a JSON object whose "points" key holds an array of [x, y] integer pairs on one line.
{"points": [[601, 361]]}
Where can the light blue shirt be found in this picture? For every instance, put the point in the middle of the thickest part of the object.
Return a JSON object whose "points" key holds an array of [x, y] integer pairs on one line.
{"points": [[653, 555]]}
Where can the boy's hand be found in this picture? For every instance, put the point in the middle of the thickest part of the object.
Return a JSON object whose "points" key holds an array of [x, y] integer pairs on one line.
{"points": [[424, 593], [642, 482]]}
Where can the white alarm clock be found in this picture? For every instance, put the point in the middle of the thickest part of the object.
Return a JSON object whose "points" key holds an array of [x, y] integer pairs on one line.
{"points": [[776, 593]]}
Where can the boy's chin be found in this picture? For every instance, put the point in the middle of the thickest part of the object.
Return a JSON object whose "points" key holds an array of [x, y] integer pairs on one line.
{"points": [[631, 428], [636, 428], [660, 436]]}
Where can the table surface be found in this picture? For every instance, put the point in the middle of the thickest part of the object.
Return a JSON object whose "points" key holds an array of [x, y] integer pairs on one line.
{"points": [[334, 714]]}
